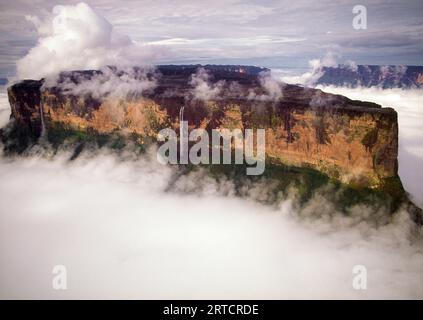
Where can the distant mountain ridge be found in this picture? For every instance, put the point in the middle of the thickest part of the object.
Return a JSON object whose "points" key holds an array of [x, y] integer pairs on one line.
{"points": [[385, 77], [216, 69]]}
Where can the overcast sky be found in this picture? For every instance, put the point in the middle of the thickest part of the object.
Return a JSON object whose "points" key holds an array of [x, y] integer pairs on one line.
{"points": [[268, 33]]}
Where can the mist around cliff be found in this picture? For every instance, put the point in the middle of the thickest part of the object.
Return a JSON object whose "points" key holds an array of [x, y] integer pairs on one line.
{"points": [[107, 82], [4, 107], [122, 232]]}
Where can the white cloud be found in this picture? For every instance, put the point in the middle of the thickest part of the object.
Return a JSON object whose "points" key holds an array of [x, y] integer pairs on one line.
{"points": [[203, 89], [351, 65], [111, 82], [271, 86], [77, 37], [4, 108], [309, 78]]}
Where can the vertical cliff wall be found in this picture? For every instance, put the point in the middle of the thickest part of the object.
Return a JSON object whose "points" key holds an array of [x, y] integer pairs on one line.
{"points": [[351, 141]]}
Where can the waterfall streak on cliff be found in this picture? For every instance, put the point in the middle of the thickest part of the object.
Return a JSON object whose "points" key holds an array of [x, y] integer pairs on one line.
{"points": [[43, 127]]}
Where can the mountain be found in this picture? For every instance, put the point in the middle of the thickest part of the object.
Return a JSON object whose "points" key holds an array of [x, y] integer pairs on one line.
{"points": [[312, 137], [372, 76]]}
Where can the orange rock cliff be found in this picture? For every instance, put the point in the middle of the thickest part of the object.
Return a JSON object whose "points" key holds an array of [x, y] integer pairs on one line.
{"points": [[354, 142]]}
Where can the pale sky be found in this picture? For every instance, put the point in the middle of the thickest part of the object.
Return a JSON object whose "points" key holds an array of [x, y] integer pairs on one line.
{"points": [[266, 33]]}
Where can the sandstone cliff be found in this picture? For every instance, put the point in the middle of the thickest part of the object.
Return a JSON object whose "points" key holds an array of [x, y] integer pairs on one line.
{"points": [[352, 141]]}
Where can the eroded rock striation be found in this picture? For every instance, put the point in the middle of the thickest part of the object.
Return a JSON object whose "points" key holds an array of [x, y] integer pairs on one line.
{"points": [[353, 141]]}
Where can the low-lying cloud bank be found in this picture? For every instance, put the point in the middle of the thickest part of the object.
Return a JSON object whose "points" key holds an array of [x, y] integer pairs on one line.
{"points": [[120, 234]]}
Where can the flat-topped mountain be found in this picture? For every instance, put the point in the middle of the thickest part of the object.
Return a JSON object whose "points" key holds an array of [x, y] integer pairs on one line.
{"points": [[353, 142]]}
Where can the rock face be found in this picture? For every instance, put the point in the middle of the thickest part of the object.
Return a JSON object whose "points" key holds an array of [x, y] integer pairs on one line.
{"points": [[372, 76], [352, 141]]}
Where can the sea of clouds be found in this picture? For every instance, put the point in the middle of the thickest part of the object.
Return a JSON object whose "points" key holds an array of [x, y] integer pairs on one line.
{"points": [[121, 233]]}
